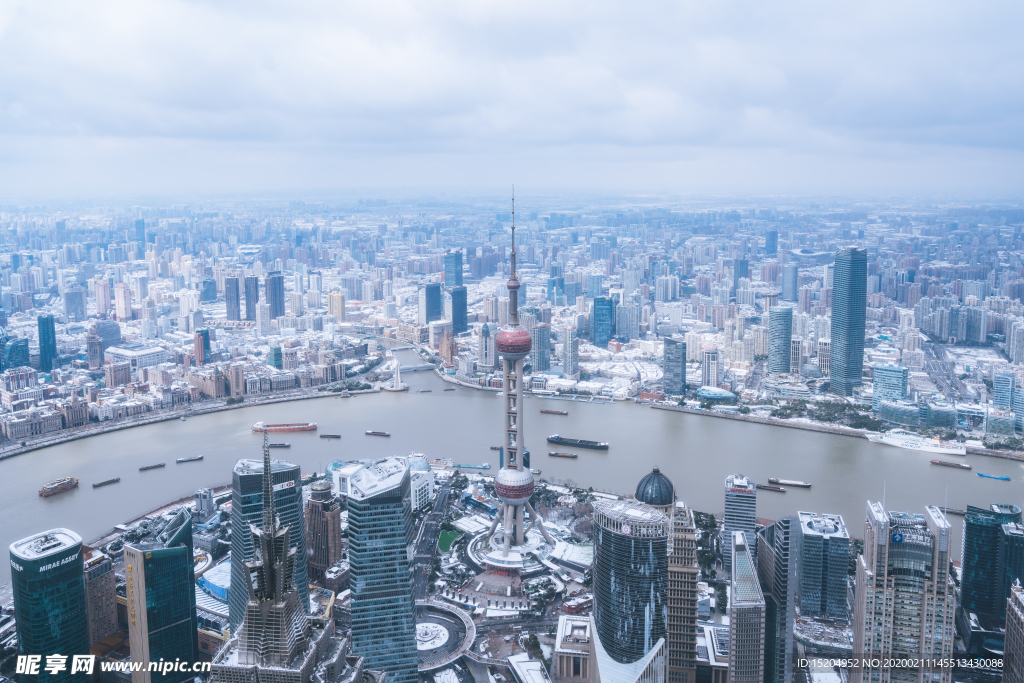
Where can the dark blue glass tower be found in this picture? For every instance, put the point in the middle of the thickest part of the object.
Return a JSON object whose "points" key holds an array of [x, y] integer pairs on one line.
{"points": [[380, 535], [849, 311], [453, 269], [47, 574], [160, 578], [980, 589], [247, 508], [275, 294], [604, 321], [459, 307], [47, 342], [232, 298]]}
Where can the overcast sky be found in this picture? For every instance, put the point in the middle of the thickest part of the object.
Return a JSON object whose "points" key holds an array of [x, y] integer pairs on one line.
{"points": [[832, 96]]}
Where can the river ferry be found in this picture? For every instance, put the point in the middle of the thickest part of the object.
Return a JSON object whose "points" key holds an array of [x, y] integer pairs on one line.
{"points": [[946, 463], [106, 483], [146, 468], [52, 488], [285, 427], [789, 482], [993, 476], [581, 443], [916, 442], [194, 458]]}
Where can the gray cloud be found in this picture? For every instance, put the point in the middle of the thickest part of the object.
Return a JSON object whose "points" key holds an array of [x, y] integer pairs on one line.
{"points": [[123, 97]]}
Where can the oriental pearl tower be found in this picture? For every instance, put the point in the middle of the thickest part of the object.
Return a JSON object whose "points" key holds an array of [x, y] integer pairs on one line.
{"points": [[514, 483]]}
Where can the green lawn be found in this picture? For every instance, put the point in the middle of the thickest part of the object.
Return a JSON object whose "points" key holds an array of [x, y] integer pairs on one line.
{"points": [[444, 543]]}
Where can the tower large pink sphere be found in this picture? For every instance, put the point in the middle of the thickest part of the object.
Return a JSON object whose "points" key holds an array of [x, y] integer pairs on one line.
{"points": [[513, 342], [514, 487]]}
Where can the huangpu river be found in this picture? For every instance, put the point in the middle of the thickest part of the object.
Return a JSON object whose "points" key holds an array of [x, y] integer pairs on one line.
{"points": [[696, 452]]}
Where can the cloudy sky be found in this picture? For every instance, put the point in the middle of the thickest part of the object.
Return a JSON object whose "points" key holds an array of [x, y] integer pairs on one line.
{"points": [[137, 96]]}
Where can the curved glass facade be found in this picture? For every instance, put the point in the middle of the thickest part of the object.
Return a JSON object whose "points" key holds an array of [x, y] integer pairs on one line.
{"points": [[630, 577]]}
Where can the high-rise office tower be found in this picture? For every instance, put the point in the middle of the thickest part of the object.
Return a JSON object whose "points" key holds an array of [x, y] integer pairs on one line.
{"points": [[430, 305], [201, 347], [796, 354], [740, 270], [889, 384], [1010, 565], [459, 305], [514, 483], [274, 285], [604, 321], [323, 530], [160, 582], [74, 305], [94, 350], [540, 353], [252, 296], [771, 242], [849, 311], [824, 566], [100, 595], [746, 615], [780, 336], [123, 301], [1003, 389], [277, 642], [1013, 647], [790, 282], [981, 590], [740, 513], [675, 365], [905, 597], [627, 322], [47, 342], [710, 372], [824, 355], [453, 269], [777, 561], [49, 599], [247, 509], [262, 320], [630, 571], [336, 305], [570, 353], [102, 297], [380, 538], [656, 490], [232, 298]]}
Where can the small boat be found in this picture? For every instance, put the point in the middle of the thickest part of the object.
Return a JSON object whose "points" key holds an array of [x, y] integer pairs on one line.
{"points": [[182, 419], [482, 466], [993, 476], [425, 391], [279, 445], [534, 471], [554, 412], [769, 487], [52, 488], [553, 454], [157, 466], [106, 483], [788, 482], [330, 436], [450, 389], [194, 458], [945, 463], [495, 448], [369, 433]]}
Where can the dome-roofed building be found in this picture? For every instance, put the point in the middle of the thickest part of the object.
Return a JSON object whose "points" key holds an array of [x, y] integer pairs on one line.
{"points": [[811, 371], [656, 490]]}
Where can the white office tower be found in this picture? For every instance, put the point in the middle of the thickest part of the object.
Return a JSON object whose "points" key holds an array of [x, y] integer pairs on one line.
{"points": [[262, 320], [740, 514], [905, 598], [746, 615]]}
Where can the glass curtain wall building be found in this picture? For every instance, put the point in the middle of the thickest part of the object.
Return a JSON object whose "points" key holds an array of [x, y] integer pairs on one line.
{"points": [[380, 539], [48, 578], [247, 508], [849, 315], [780, 336], [160, 578], [47, 342], [980, 589]]}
